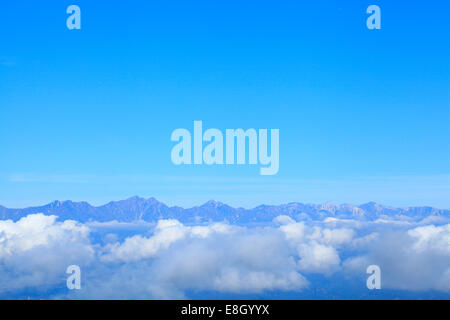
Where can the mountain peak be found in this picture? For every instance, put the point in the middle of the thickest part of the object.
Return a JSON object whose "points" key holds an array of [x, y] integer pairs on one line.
{"points": [[371, 205], [213, 203], [134, 198], [59, 203], [140, 209]]}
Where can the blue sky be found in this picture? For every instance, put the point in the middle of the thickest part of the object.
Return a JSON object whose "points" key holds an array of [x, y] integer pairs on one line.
{"points": [[87, 114]]}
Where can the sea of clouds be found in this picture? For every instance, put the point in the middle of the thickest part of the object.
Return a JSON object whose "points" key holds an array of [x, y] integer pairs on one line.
{"points": [[170, 260]]}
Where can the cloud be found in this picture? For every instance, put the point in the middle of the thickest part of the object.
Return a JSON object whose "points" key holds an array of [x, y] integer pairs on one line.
{"points": [[36, 250], [316, 246], [170, 260], [246, 261], [417, 259], [337, 237], [167, 232], [431, 238], [216, 257], [318, 258]]}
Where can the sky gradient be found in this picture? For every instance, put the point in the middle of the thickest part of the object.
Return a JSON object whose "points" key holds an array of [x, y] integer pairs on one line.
{"points": [[87, 114]]}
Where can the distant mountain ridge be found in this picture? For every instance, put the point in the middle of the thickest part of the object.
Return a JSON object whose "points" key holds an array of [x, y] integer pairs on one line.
{"points": [[141, 209]]}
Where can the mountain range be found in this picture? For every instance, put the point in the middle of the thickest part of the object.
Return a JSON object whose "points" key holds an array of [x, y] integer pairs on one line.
{"points": [[141, 209]]}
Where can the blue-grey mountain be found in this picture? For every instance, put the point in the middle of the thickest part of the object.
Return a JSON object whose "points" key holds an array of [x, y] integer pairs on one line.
{"points": [[140, 209]]}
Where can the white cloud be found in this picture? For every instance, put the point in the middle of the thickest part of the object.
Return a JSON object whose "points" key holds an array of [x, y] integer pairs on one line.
{"points": [[168, 259], [167, 232], [232, 280], [431, 238], [318, 258], [417, 259], [36, 250], [337, 237]]}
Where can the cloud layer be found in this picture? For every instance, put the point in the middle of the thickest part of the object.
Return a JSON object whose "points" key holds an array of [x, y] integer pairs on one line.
{"points": [[171, 260]]}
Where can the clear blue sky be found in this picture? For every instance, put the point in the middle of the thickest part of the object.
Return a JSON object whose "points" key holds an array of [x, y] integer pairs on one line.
{"points": [[87, 114]]}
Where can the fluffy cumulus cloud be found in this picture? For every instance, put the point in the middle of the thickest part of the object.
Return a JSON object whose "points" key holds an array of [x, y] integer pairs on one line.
{"points": [[167, 232], [35, 251], [416, 259], [216, 257], [316, 246], [172, 260]]}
